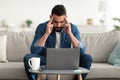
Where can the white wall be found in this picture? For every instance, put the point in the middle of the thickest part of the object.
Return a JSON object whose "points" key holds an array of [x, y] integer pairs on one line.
{"points": [[17, 11]]}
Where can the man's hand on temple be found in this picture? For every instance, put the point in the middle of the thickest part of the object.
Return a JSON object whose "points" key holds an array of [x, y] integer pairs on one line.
{"points": [[67, 27], [49, 26]]}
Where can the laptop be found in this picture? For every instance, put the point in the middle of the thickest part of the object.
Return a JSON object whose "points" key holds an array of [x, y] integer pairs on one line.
{"points": [[62, 58]]}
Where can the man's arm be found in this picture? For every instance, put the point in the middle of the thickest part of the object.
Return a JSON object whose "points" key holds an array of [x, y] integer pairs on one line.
{"points": [[43, 39], [35, 47], [67, 28], [74, 35], [42, 33], [75, 42], [49, 28]]}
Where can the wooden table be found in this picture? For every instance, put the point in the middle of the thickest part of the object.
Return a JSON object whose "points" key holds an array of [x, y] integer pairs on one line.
{"points": [[59, 72]]}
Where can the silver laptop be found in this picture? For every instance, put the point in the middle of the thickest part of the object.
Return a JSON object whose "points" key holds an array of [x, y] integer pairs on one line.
{"points": [[63, 58]]}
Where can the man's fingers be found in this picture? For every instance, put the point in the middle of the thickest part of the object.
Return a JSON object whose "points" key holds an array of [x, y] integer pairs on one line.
{"points": [[51, 19], [66, 21]]}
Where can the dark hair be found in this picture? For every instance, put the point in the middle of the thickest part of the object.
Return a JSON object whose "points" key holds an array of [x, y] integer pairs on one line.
{"points": [[58, 10]]}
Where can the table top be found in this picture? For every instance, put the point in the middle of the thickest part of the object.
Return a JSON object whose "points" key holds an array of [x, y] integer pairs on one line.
{"points": [[81, 70]]}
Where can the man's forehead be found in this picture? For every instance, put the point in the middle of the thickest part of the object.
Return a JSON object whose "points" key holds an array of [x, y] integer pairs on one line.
{"points": [[59, 19], [55, 20]]}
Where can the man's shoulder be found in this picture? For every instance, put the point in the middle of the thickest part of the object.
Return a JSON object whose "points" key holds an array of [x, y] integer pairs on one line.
{"points": [[43, 24], [74, 27], [41, 27]]}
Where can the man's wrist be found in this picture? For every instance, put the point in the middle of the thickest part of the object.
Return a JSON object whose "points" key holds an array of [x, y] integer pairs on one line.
{"points": [[70, 34], [46, 34]]}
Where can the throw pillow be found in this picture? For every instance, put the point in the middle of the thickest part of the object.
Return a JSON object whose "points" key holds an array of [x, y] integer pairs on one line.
{"points": [[114, 58], [3, 40]]}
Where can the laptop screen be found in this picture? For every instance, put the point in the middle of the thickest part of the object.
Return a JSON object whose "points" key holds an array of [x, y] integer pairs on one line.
{"points": [[63, 58]]}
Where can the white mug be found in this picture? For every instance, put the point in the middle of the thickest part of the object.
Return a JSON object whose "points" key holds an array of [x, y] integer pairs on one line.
{"points": [[34, 63]]}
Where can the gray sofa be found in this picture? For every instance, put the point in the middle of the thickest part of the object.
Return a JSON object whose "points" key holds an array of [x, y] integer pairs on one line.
{"points": [[98, 45]]}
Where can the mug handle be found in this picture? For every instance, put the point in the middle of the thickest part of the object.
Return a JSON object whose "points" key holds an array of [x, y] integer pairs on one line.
{"points": [[29, 62]]}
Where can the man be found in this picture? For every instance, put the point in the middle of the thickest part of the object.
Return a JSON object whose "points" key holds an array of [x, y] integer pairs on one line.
{"points": [[56, 33]]}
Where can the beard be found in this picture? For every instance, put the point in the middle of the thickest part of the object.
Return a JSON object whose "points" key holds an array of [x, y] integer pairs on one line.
{"points": [[57, 29]]}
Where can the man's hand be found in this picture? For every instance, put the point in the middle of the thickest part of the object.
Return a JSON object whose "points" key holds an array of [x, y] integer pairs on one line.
{"points": [[49, 26], [67, 27]]}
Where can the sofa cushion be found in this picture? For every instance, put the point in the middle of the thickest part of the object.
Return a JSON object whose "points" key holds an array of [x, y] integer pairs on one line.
{"points": [[14, 71], [100, 45], [3, 40], [104, 70], [18, 44], [114, 58]]}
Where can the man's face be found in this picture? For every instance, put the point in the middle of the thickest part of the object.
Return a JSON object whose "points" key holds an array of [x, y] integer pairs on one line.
{"points": [[58, 22]]}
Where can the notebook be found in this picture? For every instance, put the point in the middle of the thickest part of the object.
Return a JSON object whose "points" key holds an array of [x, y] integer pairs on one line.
{"points": [[62, 58]]}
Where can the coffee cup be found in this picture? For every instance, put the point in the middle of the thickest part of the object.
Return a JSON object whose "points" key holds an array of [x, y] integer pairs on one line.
{"points": [[34, 63]]}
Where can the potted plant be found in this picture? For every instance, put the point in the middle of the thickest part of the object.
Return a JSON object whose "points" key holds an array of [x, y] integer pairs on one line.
{"points": [[29, 22], [117, 27]]}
